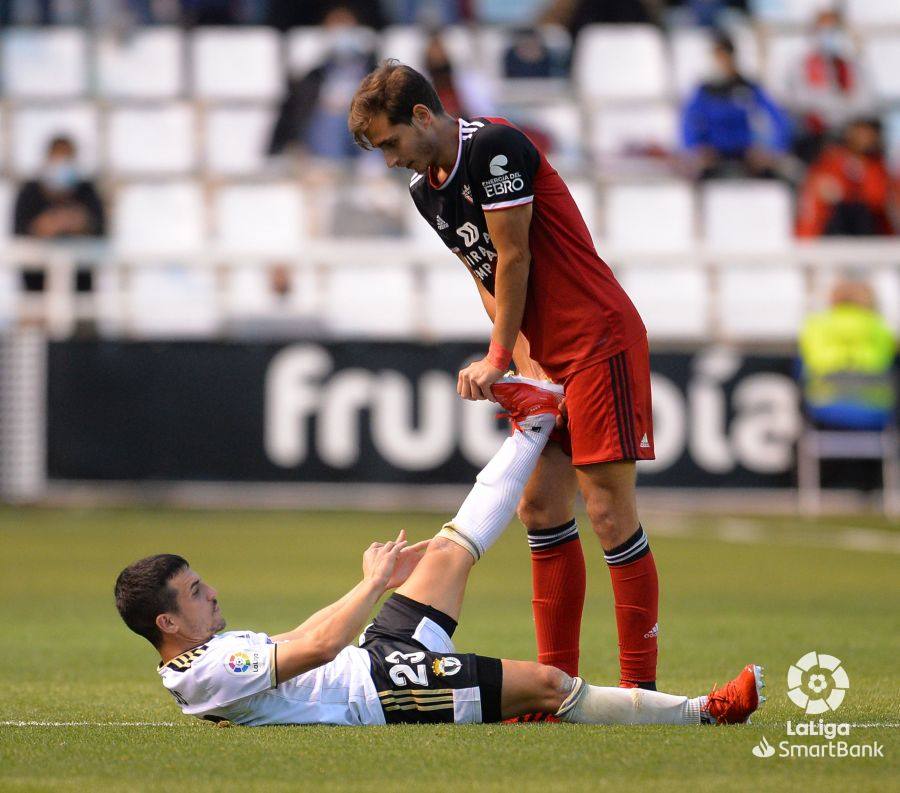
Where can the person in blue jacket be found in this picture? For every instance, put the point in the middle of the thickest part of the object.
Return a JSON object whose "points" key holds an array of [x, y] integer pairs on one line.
{"points": [[731, 126]]}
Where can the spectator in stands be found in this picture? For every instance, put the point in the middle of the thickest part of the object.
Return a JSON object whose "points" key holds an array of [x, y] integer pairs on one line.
{"points": [[827, 87], [848, 189], [575, 14], [313, 116], [847, 356], [704, 13], [529, 56], [463, 92], [59, 203], [287, 14], [730, 126]]}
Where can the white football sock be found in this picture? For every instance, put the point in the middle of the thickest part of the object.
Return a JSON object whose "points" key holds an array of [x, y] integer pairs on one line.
{"points": [[589, 704], [491, 503]]}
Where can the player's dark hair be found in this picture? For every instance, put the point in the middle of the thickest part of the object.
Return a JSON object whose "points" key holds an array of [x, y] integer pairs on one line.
{"points": [[393, 89], [143, 593]]}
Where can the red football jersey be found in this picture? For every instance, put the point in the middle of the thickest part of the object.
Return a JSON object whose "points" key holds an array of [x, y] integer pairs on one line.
{"points": [[576, 313]]}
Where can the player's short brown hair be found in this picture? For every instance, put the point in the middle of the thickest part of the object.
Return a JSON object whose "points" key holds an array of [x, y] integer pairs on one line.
{"points": [[393, 89], [143, 593]]}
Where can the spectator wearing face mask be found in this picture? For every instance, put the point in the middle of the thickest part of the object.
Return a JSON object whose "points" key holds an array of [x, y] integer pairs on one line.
{"points": [[848, 189], [313, 116], [58, 204], [827, 86], [731, 126]]}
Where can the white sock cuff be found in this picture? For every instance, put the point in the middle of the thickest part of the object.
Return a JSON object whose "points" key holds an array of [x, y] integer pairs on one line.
{"points": [[571, 701], [450, 532]]}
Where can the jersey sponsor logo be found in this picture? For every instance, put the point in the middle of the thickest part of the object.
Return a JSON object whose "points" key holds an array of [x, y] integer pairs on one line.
{"points": [[441, 223], [242, 662], [446, 666], [469, 233], [497, 166], [503, 185]]}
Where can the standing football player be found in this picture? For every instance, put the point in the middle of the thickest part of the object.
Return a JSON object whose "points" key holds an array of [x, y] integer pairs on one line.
{"points": [[558, 311]]}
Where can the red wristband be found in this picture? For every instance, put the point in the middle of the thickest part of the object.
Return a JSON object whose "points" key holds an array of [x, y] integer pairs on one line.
{"points": [[498, 356]]}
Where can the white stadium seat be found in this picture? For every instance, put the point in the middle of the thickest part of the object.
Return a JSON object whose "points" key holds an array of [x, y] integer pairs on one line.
{"points": [[145, 141], [650, 218], [361, 300], [761, 302], [165, 220], [562, 122], [236, 139], [146, 64], [691, 50], [673, 300], [308, 47], [887, 294], [9, 290], [33, 127], [872, 13], [586, 200], [236, 64], [784, 52], [269, 220], [881, 55], [616, 130], [3, 140], [752, 216], [788, 12], [452, 305], [45, 63], [892, 139], [407, 43], [620, 63], [158, 228]]}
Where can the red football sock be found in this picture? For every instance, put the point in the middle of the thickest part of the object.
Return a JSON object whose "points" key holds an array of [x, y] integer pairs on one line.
{"points": [[636, 591], [558, 582]]}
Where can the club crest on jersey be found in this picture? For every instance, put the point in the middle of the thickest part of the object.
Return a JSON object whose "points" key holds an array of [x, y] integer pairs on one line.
{"points": [[446, 666], [241, 663], [467, 193]]}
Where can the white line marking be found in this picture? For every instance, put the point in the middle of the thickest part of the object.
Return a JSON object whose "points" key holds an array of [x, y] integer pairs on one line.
{"points": [[91, 724]]}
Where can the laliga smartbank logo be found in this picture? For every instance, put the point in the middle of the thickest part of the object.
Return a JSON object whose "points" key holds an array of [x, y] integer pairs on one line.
{"points": [[817, 683]]}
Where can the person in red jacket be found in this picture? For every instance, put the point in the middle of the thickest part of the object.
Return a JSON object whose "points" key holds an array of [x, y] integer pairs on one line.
{"points": [[495, 201], [848, 189]]}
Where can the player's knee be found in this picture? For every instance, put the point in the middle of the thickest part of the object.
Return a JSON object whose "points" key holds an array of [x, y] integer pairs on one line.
{"points": [[601, 515], [534, 513]]}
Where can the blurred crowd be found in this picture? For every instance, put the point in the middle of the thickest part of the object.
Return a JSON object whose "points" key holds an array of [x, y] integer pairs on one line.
{"points": [[824, 137]]}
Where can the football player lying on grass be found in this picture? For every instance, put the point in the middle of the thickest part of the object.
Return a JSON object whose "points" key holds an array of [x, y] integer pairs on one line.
{"points": [[405, 669]]}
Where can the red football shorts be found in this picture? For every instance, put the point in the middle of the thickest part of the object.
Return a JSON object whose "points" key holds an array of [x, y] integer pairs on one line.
{"points": [[610, 409]]}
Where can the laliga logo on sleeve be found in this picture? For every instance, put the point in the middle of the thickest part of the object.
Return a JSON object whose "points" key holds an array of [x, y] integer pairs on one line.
{"points": [[497, 165], [817, 683]]}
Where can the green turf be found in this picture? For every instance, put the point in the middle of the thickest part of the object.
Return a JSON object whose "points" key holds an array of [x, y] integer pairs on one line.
{"points": [[68, 658]]}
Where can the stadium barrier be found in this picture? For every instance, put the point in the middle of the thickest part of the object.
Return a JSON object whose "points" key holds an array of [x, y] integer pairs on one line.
{"points": [[771, 307]]}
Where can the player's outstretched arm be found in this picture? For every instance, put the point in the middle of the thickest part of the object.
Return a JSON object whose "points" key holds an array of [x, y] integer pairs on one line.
{"points": [[319, 644]]}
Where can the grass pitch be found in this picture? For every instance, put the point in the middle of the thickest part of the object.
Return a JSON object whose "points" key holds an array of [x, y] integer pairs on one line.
{"points": [[81, 704]]}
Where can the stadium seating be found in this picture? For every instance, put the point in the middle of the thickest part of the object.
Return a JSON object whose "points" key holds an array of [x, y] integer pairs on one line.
{"points": [[308, 47], [786, 12], [151, 140], [752, 216], [625, 63], [33, 126], [159, 220], [8, 278], [452, 304], [348, 294], [260, 220], [232, 64], [48, 63], [873, 13], [617, 131], [882, 59], [784, 51], [145, 65], [407, 43], [236, 138]]}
